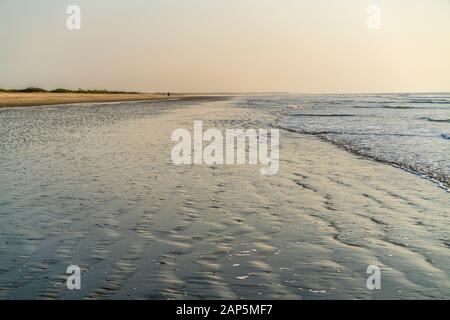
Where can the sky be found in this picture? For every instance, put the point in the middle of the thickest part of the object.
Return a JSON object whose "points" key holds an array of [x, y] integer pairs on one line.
{"points": [[304, 46]]}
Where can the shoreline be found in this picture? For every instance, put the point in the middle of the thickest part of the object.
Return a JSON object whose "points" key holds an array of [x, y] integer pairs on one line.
{"points": [[439, 181], [9, 99]]}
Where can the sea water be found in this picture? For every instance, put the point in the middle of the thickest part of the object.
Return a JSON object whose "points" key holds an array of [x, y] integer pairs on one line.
{"points": [[411, 131]]}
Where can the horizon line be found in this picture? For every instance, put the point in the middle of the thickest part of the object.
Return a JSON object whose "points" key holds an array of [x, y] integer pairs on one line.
{"points": [[230, 92]]}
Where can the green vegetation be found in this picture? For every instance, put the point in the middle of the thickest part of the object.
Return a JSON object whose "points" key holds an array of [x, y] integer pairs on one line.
{"points": [[102, 91], [63, 90], [30, 89]]}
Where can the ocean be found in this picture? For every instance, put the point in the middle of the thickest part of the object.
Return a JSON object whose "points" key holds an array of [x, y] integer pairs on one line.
{"points": [[410, 131]]}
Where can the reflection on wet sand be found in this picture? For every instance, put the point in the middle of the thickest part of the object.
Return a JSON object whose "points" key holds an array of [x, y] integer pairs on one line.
{"points": [[94, 186]]}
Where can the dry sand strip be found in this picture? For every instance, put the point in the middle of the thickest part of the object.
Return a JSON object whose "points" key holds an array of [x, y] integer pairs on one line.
{"points": [[10, 99]]}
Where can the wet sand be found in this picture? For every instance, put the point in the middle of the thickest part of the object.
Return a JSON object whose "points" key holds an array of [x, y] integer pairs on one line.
{"points": [[107, 198], [8, 99]]}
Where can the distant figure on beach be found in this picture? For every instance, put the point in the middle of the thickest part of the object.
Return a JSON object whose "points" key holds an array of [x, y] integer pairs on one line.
{"points": [[168, 94]]}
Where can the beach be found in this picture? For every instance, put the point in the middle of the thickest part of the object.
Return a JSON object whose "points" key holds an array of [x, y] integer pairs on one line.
{"points": [[93, 185], [22, 99]]}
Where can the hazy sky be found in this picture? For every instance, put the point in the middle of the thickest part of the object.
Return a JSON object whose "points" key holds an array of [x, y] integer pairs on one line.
{"points": [[227, 45]]}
